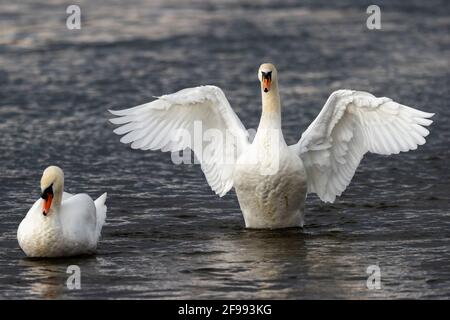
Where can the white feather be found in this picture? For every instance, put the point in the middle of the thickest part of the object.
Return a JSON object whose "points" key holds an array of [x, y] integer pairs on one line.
{"points": [[156, 125], [350, 124]]}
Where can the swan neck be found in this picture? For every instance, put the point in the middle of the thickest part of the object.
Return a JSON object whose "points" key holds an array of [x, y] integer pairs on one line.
{"points": [[58, 189], [271, 110], [58, 192]]}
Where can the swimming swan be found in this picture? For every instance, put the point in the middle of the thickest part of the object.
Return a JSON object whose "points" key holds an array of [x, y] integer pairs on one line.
{"points": [[59, 223]]}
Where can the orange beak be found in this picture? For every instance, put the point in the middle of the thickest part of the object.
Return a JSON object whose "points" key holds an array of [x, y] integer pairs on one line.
{"points": [[266, 84], [47, 204], [47, 197]]}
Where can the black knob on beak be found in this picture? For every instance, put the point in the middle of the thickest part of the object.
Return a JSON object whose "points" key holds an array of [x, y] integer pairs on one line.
{"points": [[46, 192], [266, 78]]}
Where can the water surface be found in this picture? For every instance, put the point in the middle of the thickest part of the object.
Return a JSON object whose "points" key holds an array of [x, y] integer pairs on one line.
{"points": [[167, 234]]}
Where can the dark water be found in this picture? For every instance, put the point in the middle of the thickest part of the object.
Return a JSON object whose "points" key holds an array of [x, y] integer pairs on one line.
{"points": [[167, 235]]}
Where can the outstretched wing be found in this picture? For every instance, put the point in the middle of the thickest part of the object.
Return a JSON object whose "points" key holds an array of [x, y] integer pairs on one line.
{"points": [[350, 124], [198, 118]]}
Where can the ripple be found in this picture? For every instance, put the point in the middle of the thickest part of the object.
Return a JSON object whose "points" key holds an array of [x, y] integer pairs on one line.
{"points": [[167, 234]]}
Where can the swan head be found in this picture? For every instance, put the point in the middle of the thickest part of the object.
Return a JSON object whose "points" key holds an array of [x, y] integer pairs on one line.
{"points": [[52, 182], [267, 75]]}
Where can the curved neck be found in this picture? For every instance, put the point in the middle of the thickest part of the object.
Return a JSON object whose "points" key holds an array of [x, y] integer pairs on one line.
{"points": [[271, 109], [57, 198]]}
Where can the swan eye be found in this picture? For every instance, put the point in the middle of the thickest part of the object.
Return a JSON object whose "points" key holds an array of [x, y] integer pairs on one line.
{"points": [[266, 75], [46, 192]]}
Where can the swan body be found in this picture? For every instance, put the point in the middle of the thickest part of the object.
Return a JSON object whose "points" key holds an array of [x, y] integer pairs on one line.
{"points": [[70, 226], [270, 200], [272, 179]]}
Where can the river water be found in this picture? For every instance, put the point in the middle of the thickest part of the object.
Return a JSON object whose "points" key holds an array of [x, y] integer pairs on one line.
{"points": [[167, 234]]}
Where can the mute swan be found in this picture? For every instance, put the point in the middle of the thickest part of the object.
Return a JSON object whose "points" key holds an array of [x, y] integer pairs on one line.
{"points": [[272, 179], [61, 224]]}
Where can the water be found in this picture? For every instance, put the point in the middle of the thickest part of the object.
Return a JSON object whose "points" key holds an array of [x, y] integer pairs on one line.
{"points": [[167, 235]]}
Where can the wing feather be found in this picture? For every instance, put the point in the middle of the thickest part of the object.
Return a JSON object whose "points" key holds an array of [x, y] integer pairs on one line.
{"points": [[351, 124], [159, 125]]}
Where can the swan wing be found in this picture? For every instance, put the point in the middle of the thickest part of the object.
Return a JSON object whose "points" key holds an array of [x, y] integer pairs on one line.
{"points": [[78, 218], [199, 118], [350, 124], [66, 196], [100, 209]]}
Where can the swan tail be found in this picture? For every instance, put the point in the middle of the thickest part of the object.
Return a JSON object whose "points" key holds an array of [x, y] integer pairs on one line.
{"points": [[100, 208]]}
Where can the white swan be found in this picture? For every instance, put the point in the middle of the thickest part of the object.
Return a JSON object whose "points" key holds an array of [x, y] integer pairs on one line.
{"points": [[61, 224], [272, 179]]}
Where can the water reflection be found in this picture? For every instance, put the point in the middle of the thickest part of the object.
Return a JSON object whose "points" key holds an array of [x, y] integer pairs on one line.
{"points": [[287, 263], [44, 278], [250, 263]]}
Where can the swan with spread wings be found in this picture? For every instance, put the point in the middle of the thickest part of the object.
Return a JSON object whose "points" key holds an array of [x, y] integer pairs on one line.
{"points": [[272, 179]]}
